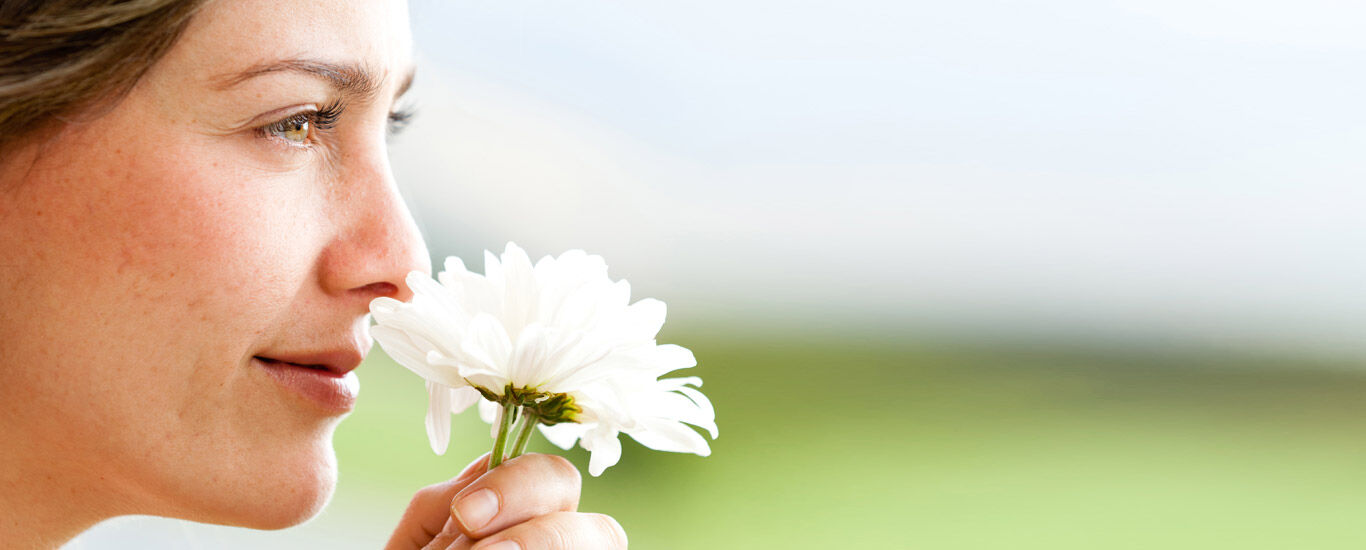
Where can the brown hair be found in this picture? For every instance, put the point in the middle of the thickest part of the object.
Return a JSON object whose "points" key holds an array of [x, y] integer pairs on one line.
{"points": [[58, 56]]}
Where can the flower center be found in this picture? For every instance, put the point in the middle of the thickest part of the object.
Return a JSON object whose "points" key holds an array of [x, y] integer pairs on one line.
{"points": [[548, 408]]}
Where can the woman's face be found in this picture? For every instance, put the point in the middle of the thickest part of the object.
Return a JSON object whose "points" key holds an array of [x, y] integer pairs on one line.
{"points": [[167, 259]]}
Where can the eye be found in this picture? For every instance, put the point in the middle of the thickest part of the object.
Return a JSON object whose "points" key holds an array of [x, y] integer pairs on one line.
{"points": [[295, 129], [304, 128], [399, 119]]}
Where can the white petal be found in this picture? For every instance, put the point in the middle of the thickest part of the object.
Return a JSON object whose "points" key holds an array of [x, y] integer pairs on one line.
{"points": [[526, 366], [443, 298], [487, 343], [644, 319], [620, 293], [454, 269], [413, 355], [439, 417], [667, 435], [605, 403], [421, 283], [493, 271], [489, 412], [572, 370], [462, 371], [604, 449], [462, 398], [385, 304], [692, 409], [398, 346], [669, 358], [706, 416], [574, 380], [519, 291], [563, 435], [471, 290], [492, 383], [576, 306], [563, 349], [674, 384]]}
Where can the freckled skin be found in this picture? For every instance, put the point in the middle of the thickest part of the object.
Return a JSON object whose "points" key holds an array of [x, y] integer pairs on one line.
{"points": [[151, 251]]}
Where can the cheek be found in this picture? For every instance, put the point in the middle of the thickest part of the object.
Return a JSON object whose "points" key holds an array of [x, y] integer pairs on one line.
{"points": [[150, 277], [200, 259], [208, 258]]}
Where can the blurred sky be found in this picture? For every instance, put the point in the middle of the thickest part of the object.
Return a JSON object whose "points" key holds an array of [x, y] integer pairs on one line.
{"points": [[1146, 172], [1137, 170]]}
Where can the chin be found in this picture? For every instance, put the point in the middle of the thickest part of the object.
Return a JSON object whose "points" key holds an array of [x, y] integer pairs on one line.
{"points": [[303, 501], [291, 494], [267, 487]]}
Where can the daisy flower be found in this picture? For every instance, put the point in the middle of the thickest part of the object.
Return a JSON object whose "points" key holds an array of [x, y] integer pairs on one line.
{"points": [[556, 345]]}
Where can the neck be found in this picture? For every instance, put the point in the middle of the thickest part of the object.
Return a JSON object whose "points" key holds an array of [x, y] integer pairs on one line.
{"points": [[46, 499]]}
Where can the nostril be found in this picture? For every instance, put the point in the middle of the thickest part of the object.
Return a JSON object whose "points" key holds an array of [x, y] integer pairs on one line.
{"points": [[378, 289]]}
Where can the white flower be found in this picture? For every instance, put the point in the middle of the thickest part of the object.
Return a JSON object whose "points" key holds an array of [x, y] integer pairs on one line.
{"points": [[659, 412], [558, 339]]}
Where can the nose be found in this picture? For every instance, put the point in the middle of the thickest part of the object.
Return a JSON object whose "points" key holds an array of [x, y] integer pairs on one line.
{"points": [[376, 243]]}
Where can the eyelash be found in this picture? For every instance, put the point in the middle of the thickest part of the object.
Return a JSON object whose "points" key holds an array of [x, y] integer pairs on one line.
{"points": [[400, 118], [319, 120], [325, 118]]}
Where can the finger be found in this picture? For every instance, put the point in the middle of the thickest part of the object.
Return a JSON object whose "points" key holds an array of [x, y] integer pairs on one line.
{"points": [[560, 531], [450, 533], [520, 489], [429, 510]]}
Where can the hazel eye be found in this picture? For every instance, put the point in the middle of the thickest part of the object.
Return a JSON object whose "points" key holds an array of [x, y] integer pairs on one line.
{"points": [[307, 128], [295, 129]]}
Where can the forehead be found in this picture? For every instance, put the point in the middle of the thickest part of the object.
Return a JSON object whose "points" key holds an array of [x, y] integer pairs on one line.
{"points": [[227, 35]]}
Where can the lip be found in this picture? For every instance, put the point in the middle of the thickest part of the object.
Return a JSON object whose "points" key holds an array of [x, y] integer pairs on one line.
{"points": [[324, 379], [336, 361]]}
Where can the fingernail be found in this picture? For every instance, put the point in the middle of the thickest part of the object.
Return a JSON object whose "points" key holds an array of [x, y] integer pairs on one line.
{"points": [[505, 545], [476, 509]]}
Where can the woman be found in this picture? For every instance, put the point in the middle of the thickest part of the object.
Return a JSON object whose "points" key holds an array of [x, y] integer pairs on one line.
{"points": [[195, 210]]}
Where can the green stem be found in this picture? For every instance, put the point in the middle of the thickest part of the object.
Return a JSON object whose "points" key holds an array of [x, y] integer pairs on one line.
{"points": [[504, 426], [524, 437]]}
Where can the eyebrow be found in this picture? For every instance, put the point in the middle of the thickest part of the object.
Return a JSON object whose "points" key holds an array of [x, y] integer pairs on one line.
{"points": [[349, 79]]}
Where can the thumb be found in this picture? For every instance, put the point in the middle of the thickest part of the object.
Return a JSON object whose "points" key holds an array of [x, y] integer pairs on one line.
{"points": [[430, 509]]}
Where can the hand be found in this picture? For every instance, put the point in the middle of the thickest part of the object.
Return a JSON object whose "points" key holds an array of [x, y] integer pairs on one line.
{"points": [[528, 503]]}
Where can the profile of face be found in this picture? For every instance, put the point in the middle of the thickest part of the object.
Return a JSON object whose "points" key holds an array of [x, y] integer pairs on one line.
{"points": [[186, 273]]}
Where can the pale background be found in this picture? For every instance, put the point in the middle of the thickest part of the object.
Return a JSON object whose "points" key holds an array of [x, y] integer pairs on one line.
{"points": [[975, 274]]}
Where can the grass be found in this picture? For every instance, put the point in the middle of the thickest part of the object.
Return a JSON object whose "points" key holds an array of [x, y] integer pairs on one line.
{"points": [[829, 442]]}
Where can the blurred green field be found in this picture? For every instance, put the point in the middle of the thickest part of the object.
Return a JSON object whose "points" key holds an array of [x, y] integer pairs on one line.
{"points": [[833, 442]]}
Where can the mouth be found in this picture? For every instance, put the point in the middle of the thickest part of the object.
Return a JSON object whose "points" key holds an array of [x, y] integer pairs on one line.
{"points": [[322, 369], [325, 380], [337, 362]]}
